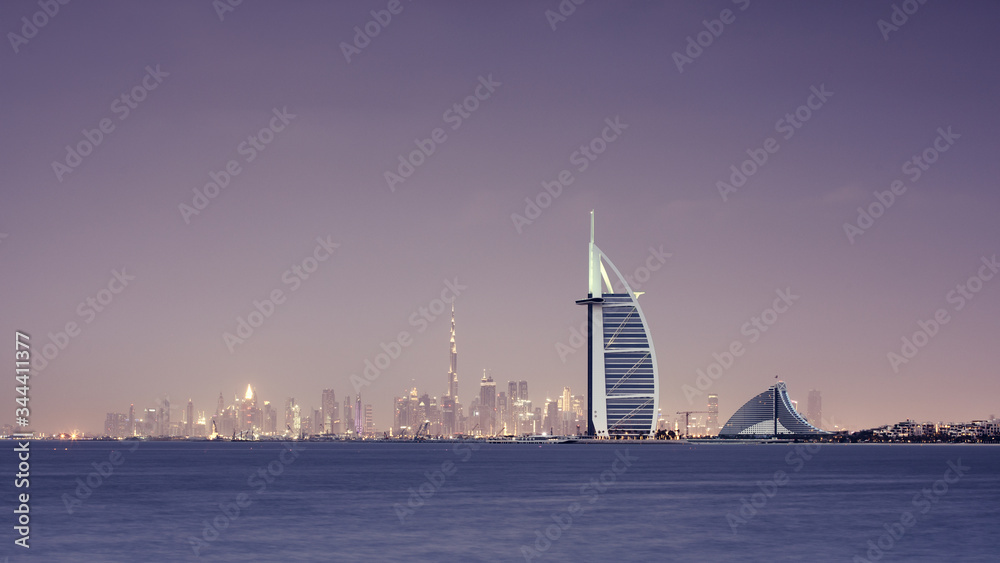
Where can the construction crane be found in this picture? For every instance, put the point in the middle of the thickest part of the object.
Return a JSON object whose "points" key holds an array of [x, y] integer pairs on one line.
{"points": [[421, 429], [687, 414]]}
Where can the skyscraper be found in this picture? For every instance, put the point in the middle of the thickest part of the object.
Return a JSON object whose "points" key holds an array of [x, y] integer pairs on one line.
{"points": [[164, 419], [289, 416], [189, 420], [522, 390], [814, 408], [348, 415], [369, 428], [713, 414], [453, 363], [621, 363], [329, 406], [131, 420], [487, 405], [359, 427]]}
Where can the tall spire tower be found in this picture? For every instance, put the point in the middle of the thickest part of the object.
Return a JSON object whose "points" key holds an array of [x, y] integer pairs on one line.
{"points": [[453, 365], [622, 378]]}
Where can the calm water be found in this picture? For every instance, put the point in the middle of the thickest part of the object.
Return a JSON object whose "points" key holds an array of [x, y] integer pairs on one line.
{"points": [[353, 502]]}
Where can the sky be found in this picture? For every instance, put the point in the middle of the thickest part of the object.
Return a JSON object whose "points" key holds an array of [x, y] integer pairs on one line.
{"points": [[121, 118]]}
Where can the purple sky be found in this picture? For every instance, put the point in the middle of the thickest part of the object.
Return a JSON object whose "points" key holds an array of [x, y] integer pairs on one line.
{"points": [[655, 185]]}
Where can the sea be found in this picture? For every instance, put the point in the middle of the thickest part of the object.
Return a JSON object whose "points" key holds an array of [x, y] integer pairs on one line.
{"points": [[470, 501]]}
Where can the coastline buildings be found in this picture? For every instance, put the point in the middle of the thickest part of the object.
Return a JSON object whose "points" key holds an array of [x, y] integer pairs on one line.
{"points": [[622, 377], [769, 414]]}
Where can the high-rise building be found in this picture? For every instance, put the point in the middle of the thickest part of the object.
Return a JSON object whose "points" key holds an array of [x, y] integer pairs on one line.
{"points": [[512, 391], [551, 424], [522, 390], [290, 426], [453, 361], [115, 425], [814, 408], [622, 376], [189, 420], [369, 420], [713, 414], [359, 427], [487, 405], [164, 418], [348, 415], [449, 421], [131, 420], [502, 415], [270, 419], [329, 414], [220, 405]]}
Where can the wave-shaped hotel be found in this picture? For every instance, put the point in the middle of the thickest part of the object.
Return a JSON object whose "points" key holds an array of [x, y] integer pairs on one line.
{"points": [[767, 415], [622, 377]]}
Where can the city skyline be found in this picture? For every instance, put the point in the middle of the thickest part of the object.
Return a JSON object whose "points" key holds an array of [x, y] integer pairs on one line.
{"points": [[197, 202]]}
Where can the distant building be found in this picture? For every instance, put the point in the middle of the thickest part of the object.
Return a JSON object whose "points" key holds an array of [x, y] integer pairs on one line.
{"points": [[189, 419], [768, 414], [329, 407], [487, 405], [115, 425], [712, 423], [369, 420], [551, 425], [814, 408], [453, 361], [359, 428]]}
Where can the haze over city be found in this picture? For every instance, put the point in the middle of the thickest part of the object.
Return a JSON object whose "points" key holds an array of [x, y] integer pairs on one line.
{"points": [[609, 108]]}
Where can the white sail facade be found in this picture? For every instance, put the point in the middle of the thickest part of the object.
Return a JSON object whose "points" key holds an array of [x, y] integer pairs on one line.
{"points": [[622, 376]]}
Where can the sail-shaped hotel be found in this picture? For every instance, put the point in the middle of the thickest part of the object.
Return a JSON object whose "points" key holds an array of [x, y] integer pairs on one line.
{"points": [[622, 376]]}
